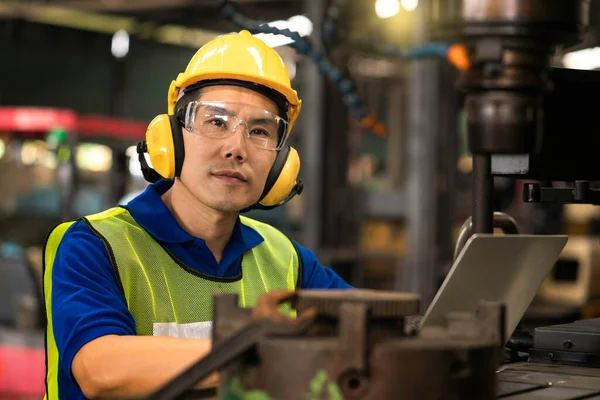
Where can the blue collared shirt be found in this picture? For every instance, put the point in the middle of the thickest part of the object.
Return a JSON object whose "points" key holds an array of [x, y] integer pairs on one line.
{"points": [[87, 302]]}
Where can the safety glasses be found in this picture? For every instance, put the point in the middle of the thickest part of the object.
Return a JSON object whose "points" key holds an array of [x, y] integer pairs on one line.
{"points": [[220, 119]]}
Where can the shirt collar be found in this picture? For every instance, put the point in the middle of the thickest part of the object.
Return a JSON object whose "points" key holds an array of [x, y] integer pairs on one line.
{"points": [[152, 214]]}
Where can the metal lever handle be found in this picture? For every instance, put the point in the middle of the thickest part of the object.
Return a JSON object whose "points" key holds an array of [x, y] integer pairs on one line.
{"points": [[501, 220], [224, 352]]}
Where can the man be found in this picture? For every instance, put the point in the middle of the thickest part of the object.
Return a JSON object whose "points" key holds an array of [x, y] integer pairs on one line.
{"points": [[129, 291]]}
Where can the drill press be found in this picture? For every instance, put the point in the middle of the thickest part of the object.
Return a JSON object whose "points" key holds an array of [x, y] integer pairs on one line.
{"points": [[530, 121], [511, 44]]}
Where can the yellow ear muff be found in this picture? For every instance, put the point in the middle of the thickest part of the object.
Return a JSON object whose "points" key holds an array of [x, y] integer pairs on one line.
{"points": [[286, 179], [161, 148]]}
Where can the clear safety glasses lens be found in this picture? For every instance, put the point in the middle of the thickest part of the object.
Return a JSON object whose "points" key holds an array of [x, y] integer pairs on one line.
{"points": [[221, 119]]}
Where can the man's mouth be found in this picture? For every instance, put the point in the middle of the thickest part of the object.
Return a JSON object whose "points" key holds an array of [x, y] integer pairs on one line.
{"points": [[230, 177]]}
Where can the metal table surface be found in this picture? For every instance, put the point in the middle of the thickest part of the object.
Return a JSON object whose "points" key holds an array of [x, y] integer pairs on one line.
{"points": [[529, 381]]}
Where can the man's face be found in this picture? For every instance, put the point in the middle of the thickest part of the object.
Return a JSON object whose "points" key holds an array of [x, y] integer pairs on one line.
{"points": [[211, 163]]}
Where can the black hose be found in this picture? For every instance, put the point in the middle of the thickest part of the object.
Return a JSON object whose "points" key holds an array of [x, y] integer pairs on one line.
{"points": [[303, 46]]}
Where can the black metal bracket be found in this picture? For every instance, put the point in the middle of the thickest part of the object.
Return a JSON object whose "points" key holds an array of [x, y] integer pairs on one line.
{"points": [[581, 193]]}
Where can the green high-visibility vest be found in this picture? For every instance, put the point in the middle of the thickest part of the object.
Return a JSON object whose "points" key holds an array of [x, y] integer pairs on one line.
{"points": [[165, 296]]}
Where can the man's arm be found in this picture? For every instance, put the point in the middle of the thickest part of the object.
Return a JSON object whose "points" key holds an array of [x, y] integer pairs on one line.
{"points": [[317, 276], [95, 332], [131, 366]]}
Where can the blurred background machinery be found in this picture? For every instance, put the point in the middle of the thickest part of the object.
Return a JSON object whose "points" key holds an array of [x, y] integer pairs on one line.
{"points": [[56, 165]]}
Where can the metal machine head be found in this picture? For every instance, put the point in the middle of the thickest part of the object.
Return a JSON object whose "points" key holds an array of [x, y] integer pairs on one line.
{"points": [[508, 102], [511, 44]]}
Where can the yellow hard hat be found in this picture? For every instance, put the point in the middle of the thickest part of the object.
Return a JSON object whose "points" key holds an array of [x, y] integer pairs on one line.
{"points": [[242, 57]]}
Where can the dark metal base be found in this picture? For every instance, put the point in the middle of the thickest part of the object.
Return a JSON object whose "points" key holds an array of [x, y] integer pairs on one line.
{"points": [[531, 381], [564, 363], [576, 343], [588, 360]]}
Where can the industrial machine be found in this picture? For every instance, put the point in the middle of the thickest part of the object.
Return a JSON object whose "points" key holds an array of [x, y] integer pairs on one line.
{"points": [[529, 121], [346, 345], [525, 120]]}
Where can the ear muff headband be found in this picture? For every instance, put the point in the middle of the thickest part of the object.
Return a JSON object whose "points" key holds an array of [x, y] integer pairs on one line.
{"points": [[150, 175]]}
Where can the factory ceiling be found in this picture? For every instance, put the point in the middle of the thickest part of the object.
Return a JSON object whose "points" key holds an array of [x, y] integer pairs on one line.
{"points": [[205, 21], [200, 14]]}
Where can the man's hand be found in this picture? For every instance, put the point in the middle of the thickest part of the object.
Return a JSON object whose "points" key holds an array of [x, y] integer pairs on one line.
{"points": [[267, 307]]}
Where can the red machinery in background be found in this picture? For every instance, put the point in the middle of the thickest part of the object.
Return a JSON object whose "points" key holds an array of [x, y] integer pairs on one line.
{"points": [[42, 175]]}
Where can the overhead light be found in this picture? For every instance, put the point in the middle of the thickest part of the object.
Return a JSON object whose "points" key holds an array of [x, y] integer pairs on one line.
{"points": [[301, 24], [586, 59], [120, 43], [410, 5], [298, 23], [387, 8]]}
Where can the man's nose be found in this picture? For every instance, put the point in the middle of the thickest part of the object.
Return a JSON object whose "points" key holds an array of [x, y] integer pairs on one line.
{"points": [[235, 146]]}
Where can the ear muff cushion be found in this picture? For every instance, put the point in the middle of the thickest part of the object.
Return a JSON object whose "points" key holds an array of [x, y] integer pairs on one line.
{"points": [[283, 175], [159, 142], [177, 133]]}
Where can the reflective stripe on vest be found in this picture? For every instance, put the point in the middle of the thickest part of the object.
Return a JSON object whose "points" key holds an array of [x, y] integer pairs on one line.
{"points": [[165, 296], [51, 351]]}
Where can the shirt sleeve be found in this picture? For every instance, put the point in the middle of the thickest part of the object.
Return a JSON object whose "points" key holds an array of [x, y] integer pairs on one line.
{"points": [[87, 302], [317, 276]]}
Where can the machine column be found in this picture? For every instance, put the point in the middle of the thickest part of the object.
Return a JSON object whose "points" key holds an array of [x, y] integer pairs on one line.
{"points": [[483, 186], [419, 272], [312, 119]]}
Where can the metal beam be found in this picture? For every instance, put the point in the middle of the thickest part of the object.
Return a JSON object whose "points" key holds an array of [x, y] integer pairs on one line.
{"points": [[123, 5], [106, 23], [143, 5], [396, 153], [448, 152], [312, 122], [420, 271]]}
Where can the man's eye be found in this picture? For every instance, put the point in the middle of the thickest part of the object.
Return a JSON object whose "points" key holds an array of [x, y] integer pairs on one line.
{"points": [[260, 132], [217, 122]]}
